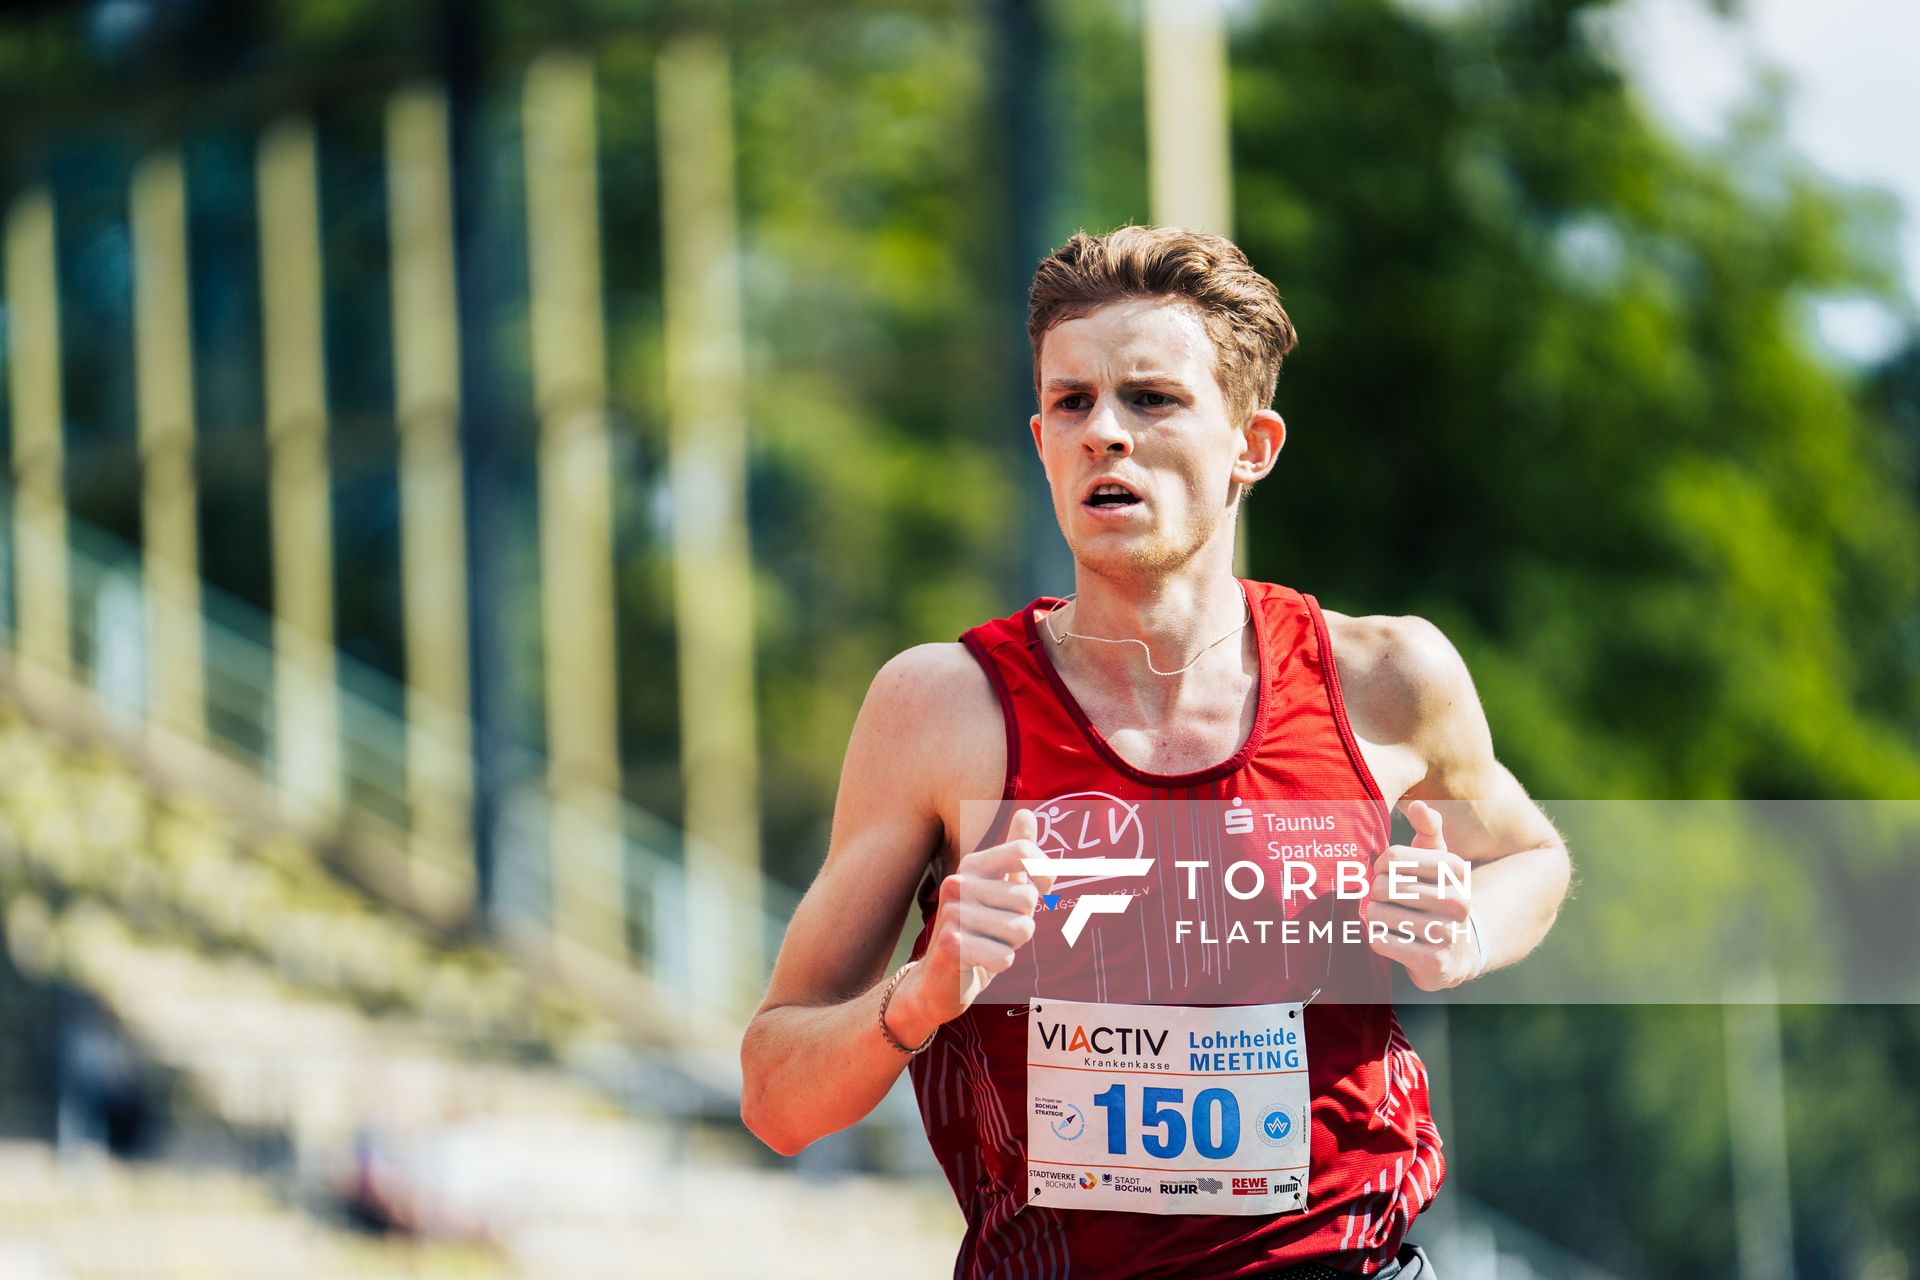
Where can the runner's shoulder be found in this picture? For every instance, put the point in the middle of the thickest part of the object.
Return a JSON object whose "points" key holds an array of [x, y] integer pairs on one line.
{"points": [[937, 689], [932, 728], [1399, 674]]}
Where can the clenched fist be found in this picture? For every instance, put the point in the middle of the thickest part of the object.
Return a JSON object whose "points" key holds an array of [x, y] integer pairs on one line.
{"points": [[985, 916], [1419, 917]]}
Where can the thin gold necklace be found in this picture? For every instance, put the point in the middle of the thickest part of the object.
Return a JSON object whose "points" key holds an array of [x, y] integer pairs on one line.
{"points": [[1047, 620]]}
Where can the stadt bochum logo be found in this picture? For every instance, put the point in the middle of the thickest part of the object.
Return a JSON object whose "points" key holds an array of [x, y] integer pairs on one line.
{"points": [[1088, 836]]}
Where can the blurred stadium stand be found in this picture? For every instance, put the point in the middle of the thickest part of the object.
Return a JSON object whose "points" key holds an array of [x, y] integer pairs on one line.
{"points": [[287, 1047]]}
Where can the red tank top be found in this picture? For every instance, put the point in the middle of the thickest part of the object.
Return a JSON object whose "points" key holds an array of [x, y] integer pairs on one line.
{"points": [[1374, 1151]]}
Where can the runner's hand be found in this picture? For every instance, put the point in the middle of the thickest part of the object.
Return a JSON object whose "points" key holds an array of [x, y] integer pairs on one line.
{"points": [[985, 916], [1441, 952]]}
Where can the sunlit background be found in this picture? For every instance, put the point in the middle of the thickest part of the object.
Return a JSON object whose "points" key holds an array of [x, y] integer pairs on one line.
{"points": [[464, 463]]}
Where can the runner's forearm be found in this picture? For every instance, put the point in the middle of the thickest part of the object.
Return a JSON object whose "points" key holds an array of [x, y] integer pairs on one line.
{"points": [[1515, 899], [812, 1070]]}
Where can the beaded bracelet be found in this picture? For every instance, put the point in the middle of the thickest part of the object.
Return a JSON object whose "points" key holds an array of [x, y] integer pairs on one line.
{"points": [[886, 999]]}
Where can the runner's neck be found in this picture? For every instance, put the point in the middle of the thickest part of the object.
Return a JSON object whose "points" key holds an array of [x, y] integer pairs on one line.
{"points": [[1178, 622]]}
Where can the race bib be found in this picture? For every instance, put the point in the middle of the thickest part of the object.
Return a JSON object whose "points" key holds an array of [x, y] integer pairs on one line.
{"points": [[1167, 1109]]}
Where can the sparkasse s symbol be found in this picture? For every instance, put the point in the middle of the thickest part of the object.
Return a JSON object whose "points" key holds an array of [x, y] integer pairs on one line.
{"points": [[1239, 819]]}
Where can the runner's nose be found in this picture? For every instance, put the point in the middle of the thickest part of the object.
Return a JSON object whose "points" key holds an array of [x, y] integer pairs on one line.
{"points": [[1105, 435]]}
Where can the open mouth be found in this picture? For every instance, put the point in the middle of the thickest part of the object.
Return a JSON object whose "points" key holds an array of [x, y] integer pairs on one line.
{"points": [[1112, 495]]}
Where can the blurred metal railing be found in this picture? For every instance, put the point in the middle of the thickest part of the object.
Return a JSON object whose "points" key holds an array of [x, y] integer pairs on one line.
{"points": [[679, 920]]}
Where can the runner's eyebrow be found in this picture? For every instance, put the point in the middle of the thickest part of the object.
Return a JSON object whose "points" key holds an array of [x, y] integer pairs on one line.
{"points": [[1138, 382]]}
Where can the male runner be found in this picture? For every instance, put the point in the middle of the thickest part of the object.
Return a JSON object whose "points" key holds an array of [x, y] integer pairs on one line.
{"points": [[1164, 680]]}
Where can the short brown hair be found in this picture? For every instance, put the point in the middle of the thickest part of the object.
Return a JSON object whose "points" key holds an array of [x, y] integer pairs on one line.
{"points": [[1239, 306]]}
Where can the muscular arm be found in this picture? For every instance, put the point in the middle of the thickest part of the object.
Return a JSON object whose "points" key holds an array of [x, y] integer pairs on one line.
{"points": [[1416, 694], [814, 1059]]}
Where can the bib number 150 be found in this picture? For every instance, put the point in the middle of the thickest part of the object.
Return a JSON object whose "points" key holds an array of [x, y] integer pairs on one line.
{"points": [[1215, 1121]]}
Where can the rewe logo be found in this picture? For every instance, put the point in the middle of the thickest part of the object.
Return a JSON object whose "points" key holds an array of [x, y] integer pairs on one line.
{"points": [[1070, 826]]}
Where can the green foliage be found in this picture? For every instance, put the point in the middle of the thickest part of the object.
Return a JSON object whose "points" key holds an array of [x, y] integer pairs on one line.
{"points": [[1577, 1119], [1554, 389], [879, 498]]}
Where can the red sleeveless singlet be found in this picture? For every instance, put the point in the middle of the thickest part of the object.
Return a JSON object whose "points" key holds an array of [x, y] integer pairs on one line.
{"points": [[1374, 1151]]}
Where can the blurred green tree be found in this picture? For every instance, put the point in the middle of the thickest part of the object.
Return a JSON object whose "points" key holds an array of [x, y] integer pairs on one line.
{"points": [[1556, 390]]}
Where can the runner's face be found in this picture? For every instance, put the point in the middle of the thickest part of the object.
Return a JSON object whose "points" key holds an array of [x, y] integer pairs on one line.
{"points": [[1128, 394]]}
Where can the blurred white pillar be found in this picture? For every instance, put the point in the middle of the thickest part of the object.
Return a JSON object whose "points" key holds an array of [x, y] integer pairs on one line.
{"points": [[576, 503], [1190, 172], [306, 711], [433, 575], [707, 443], [121, 668], [1189, 150], [1757, 1128], [163, 376], [43, 635]]}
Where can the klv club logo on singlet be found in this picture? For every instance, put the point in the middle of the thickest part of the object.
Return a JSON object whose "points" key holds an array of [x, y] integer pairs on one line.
{"points": [[1088, 836]]}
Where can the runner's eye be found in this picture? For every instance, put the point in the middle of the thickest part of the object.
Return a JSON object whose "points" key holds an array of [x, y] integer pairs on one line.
{"points": [[1072, 404]]}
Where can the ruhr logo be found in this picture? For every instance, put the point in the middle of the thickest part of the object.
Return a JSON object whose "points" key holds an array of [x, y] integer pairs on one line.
{"points": [[1088, 836]]}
